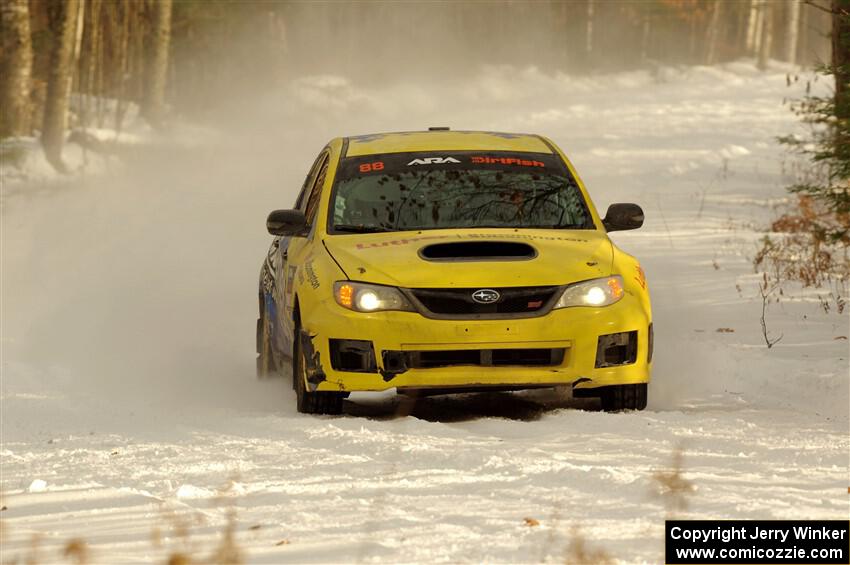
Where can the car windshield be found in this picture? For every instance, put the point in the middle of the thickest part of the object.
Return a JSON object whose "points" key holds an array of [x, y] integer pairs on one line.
{"points": [[424, 191]]}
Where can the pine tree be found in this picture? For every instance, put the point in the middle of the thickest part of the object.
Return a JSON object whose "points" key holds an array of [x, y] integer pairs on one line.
{"points": [[829, 145]]}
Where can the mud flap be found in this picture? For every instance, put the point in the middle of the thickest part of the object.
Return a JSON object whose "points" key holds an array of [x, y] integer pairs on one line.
{"points": [[312, 361]]}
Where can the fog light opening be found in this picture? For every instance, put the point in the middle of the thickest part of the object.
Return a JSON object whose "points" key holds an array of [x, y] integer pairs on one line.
{"points": [[353, 355], [616, 349]]}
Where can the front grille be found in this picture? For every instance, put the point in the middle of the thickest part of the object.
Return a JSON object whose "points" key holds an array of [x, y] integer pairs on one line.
{"points": [[543, 357], [519, 301]]}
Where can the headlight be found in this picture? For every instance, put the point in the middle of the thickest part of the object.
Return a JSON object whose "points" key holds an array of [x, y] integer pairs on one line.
{"points": [[362, 297], [596, 292]]}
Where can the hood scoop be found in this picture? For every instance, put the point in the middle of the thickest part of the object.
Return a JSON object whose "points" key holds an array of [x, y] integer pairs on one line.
{"points": [[478, 251]]}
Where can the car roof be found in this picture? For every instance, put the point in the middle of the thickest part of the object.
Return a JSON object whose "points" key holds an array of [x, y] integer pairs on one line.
{"points": [[444, 140]]}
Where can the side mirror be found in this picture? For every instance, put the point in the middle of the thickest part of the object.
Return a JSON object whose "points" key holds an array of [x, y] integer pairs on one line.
{"points": [[623, 217], [286, 222]]}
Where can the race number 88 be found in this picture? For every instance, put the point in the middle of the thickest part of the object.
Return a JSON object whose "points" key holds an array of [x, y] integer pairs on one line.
{"points": [[369, 167]]}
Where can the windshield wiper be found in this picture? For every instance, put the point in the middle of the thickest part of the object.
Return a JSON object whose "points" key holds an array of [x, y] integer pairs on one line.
{"points": [[496, 226], [353, 228], [529, 226], [559, 227]]}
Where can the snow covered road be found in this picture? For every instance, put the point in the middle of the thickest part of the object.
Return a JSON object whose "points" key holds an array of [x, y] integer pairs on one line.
{"points": [[131, 418]]}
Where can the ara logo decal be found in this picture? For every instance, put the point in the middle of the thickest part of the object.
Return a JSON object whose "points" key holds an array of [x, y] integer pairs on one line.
{"points": [[486, 296], [433, 161]]}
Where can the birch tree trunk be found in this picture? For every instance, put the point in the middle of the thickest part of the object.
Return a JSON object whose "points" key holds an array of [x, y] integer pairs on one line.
{"points": [[742, 13], [752, 26], [78, 33], [588, 46], [713, 32], [766, 43], [62, 18], [761, 9], [156, 62], [645, 34], [15, 68], [792, 31], [803, 38]]}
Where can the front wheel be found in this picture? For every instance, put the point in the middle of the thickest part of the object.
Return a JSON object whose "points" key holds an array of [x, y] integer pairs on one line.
{"points": [[623, 397], [310, 402]]}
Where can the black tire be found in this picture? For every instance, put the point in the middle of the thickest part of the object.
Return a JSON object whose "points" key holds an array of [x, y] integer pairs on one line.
{"points": [[266, 365], [310, 402], [623, 397]]}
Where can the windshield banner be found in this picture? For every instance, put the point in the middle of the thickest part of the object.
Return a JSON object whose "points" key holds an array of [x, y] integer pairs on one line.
{"points": [[389, 163]]}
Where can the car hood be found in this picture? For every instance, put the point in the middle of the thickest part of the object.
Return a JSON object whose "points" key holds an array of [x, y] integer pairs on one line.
{"points": [[559, 257]]}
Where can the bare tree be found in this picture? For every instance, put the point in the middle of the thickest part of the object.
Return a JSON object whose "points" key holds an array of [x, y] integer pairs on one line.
{"points": [[62, 17], [15, 68], [841, 65], [89, 59], [156, 62], [766, 289]]}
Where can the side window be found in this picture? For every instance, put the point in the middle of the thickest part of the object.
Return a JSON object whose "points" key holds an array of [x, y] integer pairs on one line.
{"points": [[316, 194], [301, 202]]}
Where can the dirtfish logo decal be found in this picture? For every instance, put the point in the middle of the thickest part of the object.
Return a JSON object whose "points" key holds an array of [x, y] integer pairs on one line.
{"points": [[433, 161]]}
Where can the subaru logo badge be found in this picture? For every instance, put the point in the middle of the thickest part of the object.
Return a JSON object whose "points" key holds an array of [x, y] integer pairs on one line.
{"points": [[486, 296]]}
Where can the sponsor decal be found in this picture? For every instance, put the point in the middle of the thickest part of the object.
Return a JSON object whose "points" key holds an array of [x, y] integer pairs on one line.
{"points": [[433, 161], [311, 274], [405, 241], [481, 160], [267, 280], [640, 277], [290, 278]]}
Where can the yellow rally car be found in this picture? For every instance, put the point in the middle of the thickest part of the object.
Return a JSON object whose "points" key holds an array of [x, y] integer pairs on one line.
{"points": [[451, 261]]}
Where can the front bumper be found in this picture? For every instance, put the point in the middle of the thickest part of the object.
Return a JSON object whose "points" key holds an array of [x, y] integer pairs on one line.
{"points": [[575, 330]]}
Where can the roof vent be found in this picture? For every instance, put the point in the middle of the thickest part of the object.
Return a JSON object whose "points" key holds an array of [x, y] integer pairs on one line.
{"points": [[438, 128]]}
